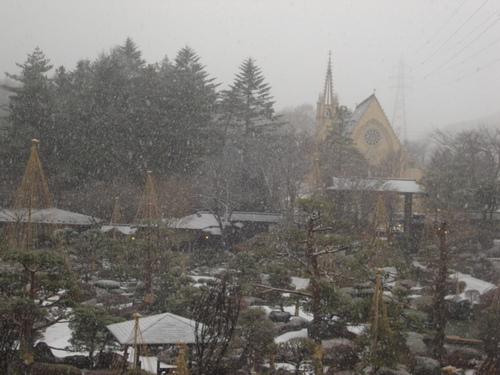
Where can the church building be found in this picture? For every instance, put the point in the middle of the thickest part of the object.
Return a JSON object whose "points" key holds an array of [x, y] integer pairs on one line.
{"points": [[373, 137], [369, 129]]}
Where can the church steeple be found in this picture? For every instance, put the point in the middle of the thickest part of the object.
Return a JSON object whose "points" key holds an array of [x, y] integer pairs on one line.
{"points": [[327, 104], [328, 97]]}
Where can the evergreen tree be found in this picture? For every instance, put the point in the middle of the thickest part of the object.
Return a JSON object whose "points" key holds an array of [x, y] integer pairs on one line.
{"points": [[129, 57], [338, 155], [384, 350], [191, 131], [89, 333], [490, 336], [29, 286], [248, 106], [247, 112], [253, 338], [31, 109]]}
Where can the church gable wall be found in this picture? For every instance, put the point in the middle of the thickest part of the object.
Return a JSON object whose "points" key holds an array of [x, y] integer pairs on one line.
{"points": [[373, 135]]}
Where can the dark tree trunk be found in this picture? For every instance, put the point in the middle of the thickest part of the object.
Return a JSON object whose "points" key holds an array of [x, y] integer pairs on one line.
{"points": [[440, 307]]}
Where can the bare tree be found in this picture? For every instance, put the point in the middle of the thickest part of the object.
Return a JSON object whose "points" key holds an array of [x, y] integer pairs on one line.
{"points": [[215, 314]]}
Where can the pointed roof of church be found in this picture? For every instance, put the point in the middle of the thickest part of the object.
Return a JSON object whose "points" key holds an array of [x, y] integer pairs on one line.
{"points": [[328, 97], [360, 110]]}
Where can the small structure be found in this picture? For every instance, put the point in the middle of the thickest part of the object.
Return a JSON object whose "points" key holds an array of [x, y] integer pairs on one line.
{"points": [[154, 332], [206, 222], [54, 216], [408, 188], [116, 228], [157, 330]]}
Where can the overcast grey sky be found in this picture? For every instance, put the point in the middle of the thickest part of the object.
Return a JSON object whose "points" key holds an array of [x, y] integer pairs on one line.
{"points": [[450, 47]]}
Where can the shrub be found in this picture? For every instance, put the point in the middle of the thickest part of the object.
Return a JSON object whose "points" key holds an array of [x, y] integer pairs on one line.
{"points": [[341, 357], [53, 369], [455, 360], [137, 371]]}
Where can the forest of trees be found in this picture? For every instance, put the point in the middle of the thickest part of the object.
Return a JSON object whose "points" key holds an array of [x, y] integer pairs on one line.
{"points": [[105, 123]]}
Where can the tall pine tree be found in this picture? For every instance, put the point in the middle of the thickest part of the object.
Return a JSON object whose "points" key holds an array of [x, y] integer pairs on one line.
{"points": [[31, 110], [248, 105], [191, 132]]}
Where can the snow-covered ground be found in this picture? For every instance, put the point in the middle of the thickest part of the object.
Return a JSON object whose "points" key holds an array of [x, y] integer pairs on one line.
{"points": [[291, 335], [57, 336]]}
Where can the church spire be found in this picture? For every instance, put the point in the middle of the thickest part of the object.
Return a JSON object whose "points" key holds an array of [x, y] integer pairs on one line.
{"points": [[327, 105], [328, 98]]}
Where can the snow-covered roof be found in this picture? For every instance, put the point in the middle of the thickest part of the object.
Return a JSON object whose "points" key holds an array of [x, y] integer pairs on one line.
{"points": [[47, 216], [471, 283], [206, 221], [125, 229], [200, 221], [398, 185], [158, 329]]}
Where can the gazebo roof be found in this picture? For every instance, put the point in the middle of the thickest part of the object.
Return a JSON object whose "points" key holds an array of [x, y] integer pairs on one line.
{"points": [[397, 185], [158, 329]]}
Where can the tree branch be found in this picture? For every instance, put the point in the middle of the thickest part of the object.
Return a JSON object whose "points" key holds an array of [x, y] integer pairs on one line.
{"points": [[272, 289], [331, 250]]}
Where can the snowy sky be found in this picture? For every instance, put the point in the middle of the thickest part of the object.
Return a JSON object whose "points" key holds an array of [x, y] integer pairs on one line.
{"points": [[450, 48]]}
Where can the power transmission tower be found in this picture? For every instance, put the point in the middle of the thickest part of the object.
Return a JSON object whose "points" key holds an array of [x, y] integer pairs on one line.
{"points": [[399, 115]]}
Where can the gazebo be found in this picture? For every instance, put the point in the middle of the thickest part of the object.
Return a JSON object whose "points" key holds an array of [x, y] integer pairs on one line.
{"points": [[401, 186], [161, 329], [157, 331]]}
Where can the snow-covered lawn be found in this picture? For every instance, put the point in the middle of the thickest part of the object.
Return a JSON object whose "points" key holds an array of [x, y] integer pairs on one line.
{"points": [[57, 336]]}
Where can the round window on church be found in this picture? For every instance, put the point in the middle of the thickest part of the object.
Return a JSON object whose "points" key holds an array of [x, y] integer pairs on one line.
{"points": [[372, 137]]}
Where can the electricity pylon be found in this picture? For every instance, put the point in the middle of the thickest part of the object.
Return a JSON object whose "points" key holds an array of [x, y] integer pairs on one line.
{"points": [[399, 115]]}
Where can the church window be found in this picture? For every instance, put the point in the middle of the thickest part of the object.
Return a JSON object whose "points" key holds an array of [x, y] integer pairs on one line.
{"points": [[328, 114], [372, 137]]}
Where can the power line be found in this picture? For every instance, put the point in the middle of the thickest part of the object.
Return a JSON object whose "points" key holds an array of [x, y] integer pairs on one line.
{"points": [[475, 54], [442, 26], [452, 35], [399, 115], [459, 52], [464, 76], [493, 14]]}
